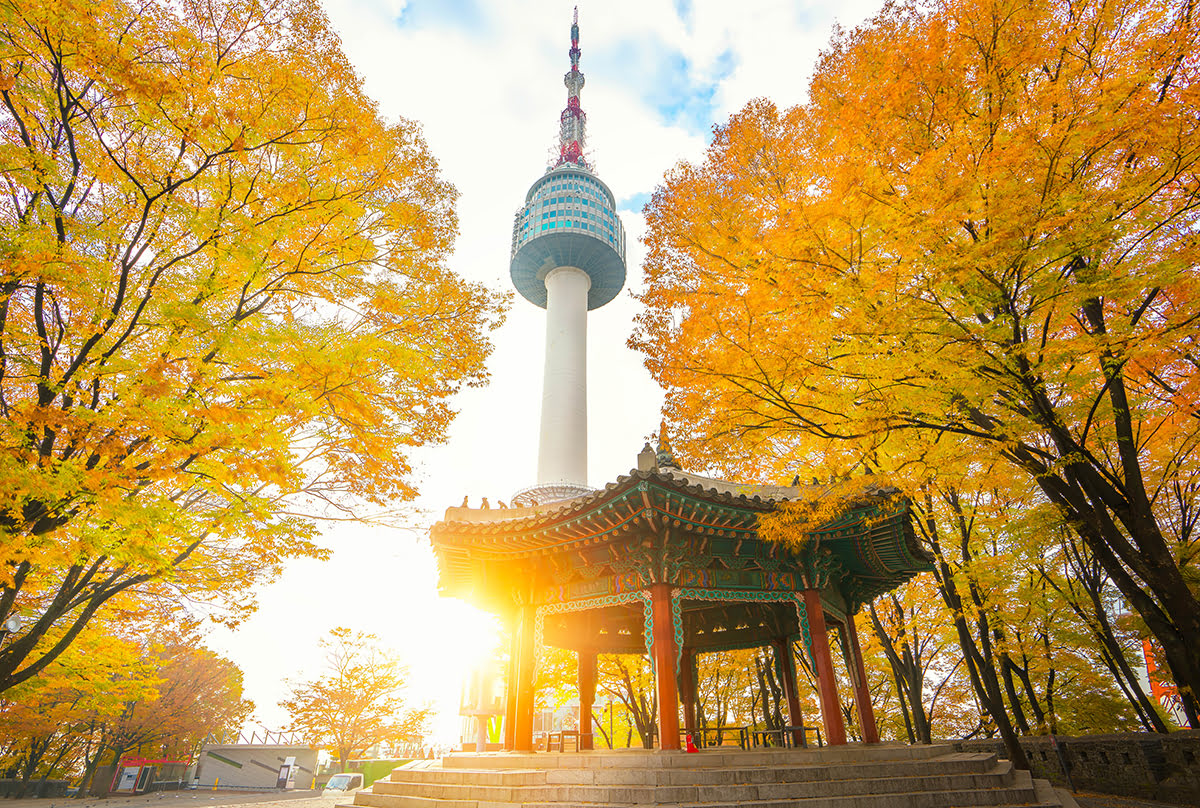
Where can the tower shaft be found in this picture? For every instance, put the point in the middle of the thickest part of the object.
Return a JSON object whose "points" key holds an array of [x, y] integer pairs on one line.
{"points": [[562, 451]]}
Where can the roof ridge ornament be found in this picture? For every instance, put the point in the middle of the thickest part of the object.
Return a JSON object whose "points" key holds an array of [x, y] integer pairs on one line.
{"points": [[646, 459], [664, 455]]}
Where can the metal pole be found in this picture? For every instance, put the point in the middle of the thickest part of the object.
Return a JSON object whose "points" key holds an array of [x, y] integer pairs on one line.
{"points": [[1062, 761]]}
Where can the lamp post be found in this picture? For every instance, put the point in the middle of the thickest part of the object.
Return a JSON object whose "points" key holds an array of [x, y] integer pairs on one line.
{"points": [[11, 626], [611, 739]]}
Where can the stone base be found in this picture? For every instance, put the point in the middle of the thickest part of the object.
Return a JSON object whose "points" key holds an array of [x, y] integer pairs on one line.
{"points": [[851, 776]]}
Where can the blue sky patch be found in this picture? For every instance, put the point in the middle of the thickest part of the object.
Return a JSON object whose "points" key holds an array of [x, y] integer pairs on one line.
{"points": [[634, 202], [464, 14], [682, 93]]}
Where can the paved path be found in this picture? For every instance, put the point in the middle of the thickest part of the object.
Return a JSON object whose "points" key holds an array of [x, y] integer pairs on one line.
{"points": [[1089, 800], [200, 798], [204, 798]]}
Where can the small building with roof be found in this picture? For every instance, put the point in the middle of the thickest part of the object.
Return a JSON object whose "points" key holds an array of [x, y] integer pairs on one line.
{"points": [[671, 564]]}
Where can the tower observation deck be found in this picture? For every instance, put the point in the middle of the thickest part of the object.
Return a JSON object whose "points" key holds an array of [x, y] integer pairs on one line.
{"points": [[568, 257]]}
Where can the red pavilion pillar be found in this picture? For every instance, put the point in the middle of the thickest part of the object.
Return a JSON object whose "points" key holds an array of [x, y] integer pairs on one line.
{"points": [[523, 720], [587, 696], [862, 694], [510, 685], [664, 666], [687, 689], [831, 711], [788, 663]]}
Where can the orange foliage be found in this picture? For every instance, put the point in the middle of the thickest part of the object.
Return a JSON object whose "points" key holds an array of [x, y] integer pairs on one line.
{"points": [[224, 304], [358, 701], [126, 685], [975, 242]]}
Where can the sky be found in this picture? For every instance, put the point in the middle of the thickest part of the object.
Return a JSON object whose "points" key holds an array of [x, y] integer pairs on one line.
{"points": [[485, 80]]}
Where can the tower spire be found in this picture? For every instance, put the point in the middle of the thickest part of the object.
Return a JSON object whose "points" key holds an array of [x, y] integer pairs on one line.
{"points": [[572, 122]]}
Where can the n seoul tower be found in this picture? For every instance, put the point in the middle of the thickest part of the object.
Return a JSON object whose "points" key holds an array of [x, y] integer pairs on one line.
{"points": [[568, 256]]}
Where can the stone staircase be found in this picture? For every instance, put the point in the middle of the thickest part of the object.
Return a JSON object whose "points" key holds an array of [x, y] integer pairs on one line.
{"points": [[852, 776]]}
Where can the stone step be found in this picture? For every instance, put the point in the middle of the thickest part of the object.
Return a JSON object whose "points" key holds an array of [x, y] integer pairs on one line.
{"points": [[486, 777], [1046, 794], [652, 759], [393, 801], [991, 798], [1000, 776], [782, 773], [975, 798], [953, 763]]}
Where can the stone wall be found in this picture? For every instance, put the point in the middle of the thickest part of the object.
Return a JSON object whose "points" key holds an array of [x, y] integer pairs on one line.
{"points": [[1133, 764], [10, 787]]}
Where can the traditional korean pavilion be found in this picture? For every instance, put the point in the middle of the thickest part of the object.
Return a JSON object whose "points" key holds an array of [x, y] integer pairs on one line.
{"points": [[671, 564]]}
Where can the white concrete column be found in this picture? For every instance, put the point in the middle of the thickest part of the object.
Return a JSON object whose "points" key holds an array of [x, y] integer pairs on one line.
{"points": [[562, 453]]}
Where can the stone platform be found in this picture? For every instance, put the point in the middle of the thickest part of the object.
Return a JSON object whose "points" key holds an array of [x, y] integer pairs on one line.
{"points": [[851, 776]]}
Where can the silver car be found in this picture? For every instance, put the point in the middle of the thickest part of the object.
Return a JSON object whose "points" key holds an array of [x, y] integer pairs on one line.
{"points": [[344, 783]]}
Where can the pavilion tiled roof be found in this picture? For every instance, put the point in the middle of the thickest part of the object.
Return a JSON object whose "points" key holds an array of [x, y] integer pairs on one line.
{"points": [[878, 549]]}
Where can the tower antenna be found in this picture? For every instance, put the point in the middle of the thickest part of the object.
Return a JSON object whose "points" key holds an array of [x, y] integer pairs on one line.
{"points": [[572, 134]]}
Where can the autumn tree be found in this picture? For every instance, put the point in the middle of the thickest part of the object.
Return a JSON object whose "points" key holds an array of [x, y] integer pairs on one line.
{"points": [[729, 691], [1080, 580], [197, 693], [357, 702], [975, 241], [134, 682], [627, 679], [224, 303], [51, 722], [624, 682], [910, 630]]}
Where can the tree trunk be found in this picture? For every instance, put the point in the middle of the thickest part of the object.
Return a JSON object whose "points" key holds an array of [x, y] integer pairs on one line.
{"points": [[33, 755], [1022, 673], [908, 726], [980, 662], [765, 695], [600, 726], [1051, 715], [907, 674], [1010, 689], [1085, 570], [771, 668], [90, 764]]}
